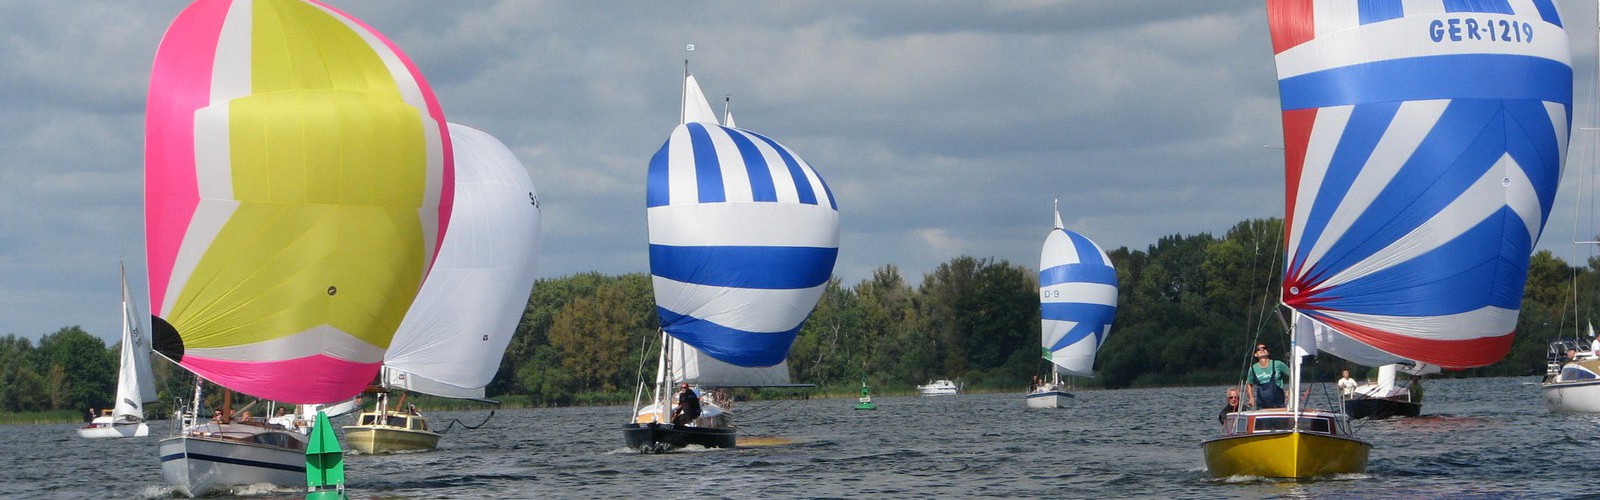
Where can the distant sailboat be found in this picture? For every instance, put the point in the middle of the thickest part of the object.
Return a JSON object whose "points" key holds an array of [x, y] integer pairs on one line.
{"points": [[1415, 196], [455, 333], [1078, 300], [136, 385], [743, 238], [297, 185]]}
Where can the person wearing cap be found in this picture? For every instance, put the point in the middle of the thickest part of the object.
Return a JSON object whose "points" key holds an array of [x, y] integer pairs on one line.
{"points": [[1267, 378], [688, 406]]}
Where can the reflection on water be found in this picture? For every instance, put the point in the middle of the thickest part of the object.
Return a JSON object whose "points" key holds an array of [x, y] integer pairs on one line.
{"points": [[1478, 437]]}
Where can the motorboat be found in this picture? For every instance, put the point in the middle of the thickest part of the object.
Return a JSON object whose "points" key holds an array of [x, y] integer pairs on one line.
{"points": [[941, 387]]}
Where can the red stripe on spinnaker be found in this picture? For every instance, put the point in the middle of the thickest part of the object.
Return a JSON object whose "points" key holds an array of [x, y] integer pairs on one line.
{"points": [[1292, 23], [1448, 354]]}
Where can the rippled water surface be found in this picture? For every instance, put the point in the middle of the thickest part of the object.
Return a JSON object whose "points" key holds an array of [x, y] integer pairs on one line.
{"points": [[1477, 438]]}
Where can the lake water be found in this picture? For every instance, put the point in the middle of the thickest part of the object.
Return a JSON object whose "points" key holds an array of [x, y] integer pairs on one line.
{"points": [[1478, 438]]}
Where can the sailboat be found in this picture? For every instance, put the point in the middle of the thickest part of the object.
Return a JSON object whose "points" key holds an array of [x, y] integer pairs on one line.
{"points": [[455, 333], [1077, 301], [136, 385], [297, 185], [1415, 195], [743, 239], [1384, 398], [1572, 376]]}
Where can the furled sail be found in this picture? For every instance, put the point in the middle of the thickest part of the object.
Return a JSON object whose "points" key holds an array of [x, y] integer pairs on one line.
{"points": [[1077, 300], [1423, 142], [743, 239], [454, 335], [136, 384], [298, 182]]}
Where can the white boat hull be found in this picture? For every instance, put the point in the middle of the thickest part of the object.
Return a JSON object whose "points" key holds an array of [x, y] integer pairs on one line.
{"points": [[1049, 399], [1573, 397], [196, 466], [939, 388], [139, 429]]}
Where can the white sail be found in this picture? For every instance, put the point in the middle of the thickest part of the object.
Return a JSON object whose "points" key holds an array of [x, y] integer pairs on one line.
{"points": [[690, 365], [455, 333], [695, 106], [136, 384]]}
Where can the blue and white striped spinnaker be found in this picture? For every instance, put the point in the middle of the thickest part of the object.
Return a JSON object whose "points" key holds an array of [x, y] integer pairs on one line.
{"points": [[1423, 144], [1077, 300], [743, 239]]}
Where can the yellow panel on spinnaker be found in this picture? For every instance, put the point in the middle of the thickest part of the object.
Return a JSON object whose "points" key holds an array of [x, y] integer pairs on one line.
{"points": [[320, 185]]}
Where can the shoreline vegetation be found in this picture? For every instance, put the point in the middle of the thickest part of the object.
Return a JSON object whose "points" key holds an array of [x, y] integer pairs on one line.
{"points": [[1189, 308]]}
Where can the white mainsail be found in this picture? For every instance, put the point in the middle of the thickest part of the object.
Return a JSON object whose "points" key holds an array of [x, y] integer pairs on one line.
{"points": [[136, 384], [455, 333]]}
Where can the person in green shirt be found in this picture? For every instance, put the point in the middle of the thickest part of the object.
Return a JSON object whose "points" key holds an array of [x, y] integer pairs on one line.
{"points": [[1267, 379]]}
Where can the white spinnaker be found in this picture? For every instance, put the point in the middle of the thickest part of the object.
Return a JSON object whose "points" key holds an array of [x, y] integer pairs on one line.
{"points": [[453, 337]]}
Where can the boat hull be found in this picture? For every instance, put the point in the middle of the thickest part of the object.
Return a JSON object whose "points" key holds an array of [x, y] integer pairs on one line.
{"points": [[196, 466], [1380, 408], [115, 431], [1572, 397], [378, 439], [1288, 454], [658, 438], [1049, 399]]}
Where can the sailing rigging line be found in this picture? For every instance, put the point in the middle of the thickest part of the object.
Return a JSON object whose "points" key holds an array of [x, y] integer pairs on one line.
{"points": [[1265, 310], [455, 421]]}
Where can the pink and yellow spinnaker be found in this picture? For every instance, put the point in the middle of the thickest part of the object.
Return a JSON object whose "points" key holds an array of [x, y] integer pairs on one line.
{"points": [[297, 185]]}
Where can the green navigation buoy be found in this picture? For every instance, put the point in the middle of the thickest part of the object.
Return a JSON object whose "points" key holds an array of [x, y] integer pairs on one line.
{"points": [[866, 398], [324, 462]]}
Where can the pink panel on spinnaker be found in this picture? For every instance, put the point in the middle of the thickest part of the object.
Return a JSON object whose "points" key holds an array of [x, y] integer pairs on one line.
{"points": [[180, 84], [298, 378], [448, 187]]}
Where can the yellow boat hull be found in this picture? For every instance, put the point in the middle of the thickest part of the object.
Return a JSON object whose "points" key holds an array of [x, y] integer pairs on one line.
{"points": [[377, 439], [1297, 455]]}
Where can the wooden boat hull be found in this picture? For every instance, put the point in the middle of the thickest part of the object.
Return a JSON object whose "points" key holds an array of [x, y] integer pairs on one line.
{"points": [[1049, 399], [1288, 454], [1576, 397], [198, 465], [139, 429], [1380, 408], [378, 439], [658, 438]]}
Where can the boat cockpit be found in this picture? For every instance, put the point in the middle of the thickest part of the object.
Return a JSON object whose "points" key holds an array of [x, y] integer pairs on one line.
{"points": [[1320, 423]]}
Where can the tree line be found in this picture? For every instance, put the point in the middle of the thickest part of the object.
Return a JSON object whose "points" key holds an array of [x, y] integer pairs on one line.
{"points": [[1189, 309]]}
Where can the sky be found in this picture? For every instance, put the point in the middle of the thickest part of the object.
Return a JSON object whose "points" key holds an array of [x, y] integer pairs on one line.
{"points": [[944, 128]]}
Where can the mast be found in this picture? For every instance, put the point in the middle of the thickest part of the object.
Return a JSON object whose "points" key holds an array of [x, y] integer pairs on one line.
{"points": [[727, 101]]}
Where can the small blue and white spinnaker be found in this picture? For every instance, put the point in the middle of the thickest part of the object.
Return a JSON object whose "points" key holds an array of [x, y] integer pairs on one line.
{"points": [[1077, 300], [743, 239]]}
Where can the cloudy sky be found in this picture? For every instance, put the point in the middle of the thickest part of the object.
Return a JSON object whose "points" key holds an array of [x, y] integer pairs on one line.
{"points": [[945, 128]]}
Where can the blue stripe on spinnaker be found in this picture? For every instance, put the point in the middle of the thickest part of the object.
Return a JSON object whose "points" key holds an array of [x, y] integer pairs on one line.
{"points": [[1548, 12], [1457, 155], [1077, 311], [1360, 137], [1487, 266], [658, 186], [1377, 11], [1454, 76], [1078, 273], [755, 166], [772, 268], [1087, 252], [738, 347], [802, 184], [707, 171], [1079, 332], [1478, 6]]}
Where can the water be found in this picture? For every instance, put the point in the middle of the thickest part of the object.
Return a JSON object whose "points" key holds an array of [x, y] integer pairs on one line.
{"points": [[1478, 438]]}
